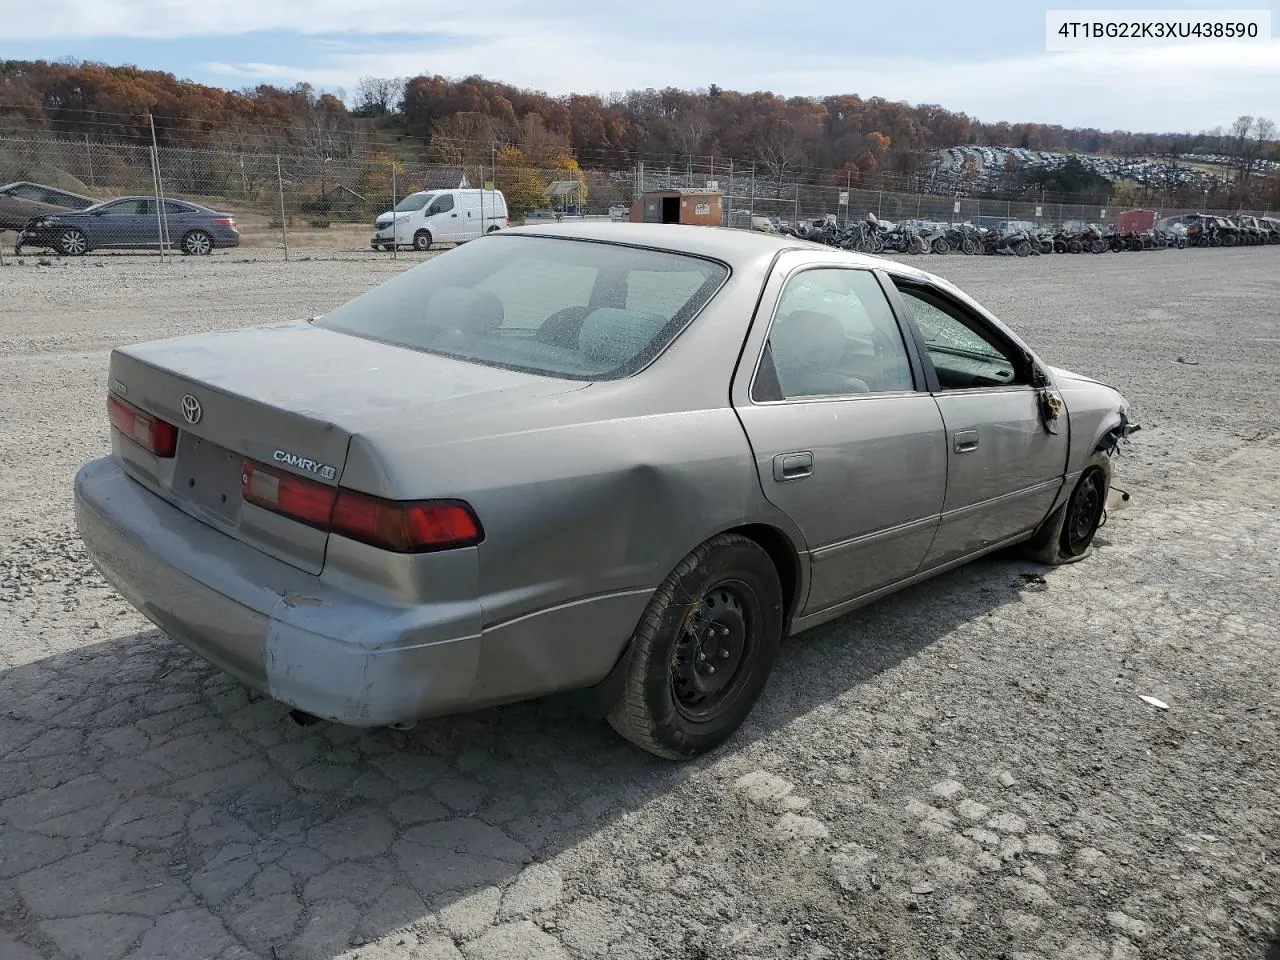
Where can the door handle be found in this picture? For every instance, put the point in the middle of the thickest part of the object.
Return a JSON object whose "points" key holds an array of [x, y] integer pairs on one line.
{"points": [[966, 441], [792, 466]]}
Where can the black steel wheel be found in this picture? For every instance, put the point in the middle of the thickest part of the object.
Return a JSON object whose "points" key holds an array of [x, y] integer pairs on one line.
{"points": [[1084, 513], [1067, 534], [422, 240], [702, 651], [707, 659]]}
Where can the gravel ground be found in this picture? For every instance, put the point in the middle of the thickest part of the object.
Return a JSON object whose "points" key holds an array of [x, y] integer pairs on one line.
{"points": [[965, 770]]}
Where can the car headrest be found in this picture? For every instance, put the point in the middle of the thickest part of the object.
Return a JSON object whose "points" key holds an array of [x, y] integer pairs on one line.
{"points": [[464, 309], [805, 339], [611, 337]]}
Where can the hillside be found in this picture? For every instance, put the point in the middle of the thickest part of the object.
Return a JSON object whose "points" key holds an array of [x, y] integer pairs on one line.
{"points": [[868, 141]]}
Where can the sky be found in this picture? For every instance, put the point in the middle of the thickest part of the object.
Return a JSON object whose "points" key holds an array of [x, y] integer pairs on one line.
{"points": [[986, 58]]}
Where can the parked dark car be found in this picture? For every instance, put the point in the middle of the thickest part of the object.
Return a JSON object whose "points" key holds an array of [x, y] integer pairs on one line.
{"points": [[132, 223], [21, 201]]}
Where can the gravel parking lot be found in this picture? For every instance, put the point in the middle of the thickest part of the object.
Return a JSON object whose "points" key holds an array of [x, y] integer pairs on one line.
{"points": [[965, 770]]}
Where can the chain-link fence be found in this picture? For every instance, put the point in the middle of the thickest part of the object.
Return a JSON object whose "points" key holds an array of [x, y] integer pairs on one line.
{"points": [[181, 201]]}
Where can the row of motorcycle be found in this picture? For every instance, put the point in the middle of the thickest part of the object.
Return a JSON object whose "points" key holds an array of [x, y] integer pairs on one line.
{"points": [[872, 235]]}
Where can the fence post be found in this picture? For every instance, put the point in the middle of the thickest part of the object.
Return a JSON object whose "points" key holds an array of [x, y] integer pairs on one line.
{"points": [[155, 178], [753, 190], [879, 203], [89, 154], [395, 227], [728, 218], [796, 220], [284, 224]]}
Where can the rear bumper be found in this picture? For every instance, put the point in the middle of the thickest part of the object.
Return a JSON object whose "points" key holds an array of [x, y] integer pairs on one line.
{"points": [[294, 636]]}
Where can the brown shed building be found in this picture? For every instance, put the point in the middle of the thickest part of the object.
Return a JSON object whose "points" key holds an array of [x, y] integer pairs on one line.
{"points": [[704, 208]]}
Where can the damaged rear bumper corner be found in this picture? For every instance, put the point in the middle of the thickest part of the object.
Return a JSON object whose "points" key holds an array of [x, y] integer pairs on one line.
{"points": [[304, 642]]}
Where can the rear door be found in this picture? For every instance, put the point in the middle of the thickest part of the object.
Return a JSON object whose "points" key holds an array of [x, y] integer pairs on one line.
{"points": [[847, 440], [473, 223], [1004, 467], [179, 218]]}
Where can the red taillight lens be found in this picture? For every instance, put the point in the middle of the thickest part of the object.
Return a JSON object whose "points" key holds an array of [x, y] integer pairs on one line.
{"points": [[405, 527], [298, 499], [153, 434], [226, 222], [417, 527]]}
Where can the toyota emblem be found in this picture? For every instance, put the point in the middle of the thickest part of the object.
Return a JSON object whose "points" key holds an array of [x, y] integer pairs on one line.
{"points": [[191, 411]]}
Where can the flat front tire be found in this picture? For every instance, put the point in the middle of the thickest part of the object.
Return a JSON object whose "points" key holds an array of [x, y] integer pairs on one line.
{"points": [[702, 651], [1067, 535]]}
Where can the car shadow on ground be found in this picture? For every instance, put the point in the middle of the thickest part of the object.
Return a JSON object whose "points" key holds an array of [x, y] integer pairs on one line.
{"points": [[139, 782]]}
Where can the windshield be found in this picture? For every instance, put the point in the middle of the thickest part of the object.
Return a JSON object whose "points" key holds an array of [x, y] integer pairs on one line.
{"points": [[413, 202], [564, 308]]}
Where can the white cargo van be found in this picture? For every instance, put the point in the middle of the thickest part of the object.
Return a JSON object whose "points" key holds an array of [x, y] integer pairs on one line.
{"points": [[440, 216]]}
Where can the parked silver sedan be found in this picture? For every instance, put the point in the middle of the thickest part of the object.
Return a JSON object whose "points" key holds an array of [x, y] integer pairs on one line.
{"points": [[621, 460]]}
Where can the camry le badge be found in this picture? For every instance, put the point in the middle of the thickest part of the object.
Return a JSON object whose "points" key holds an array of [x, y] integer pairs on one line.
{"points": [[302, 463]]}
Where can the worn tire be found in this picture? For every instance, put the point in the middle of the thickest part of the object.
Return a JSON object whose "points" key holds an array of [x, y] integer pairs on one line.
{"points": [[648, 712], [422, 240], [1055, 543]]}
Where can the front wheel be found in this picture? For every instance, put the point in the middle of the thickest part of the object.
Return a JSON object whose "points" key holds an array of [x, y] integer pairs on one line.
{"points": [[1023, 248], [1067, 535], [915, 245], [702, 651], [197, 243], [941, 246], [422, 240], [73, 243], [969, 247]]}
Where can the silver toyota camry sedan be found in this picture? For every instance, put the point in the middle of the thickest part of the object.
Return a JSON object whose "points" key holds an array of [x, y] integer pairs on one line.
{"points": [[621, 460]]}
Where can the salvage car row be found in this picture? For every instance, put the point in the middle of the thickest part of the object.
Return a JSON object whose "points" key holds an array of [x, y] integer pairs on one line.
{"points": [[73, 225]]}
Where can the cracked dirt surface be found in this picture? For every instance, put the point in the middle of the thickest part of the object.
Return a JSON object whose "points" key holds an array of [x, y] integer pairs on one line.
{"points": [[964, 770]]}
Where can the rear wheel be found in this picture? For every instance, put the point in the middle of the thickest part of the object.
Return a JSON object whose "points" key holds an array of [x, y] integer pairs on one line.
{"points": [[1068, 533], [1023, 248], [915, 245], [969, 247], [73, 243], [197, 243], [492, 229], [941, 246], [422, 240], [703, 650]]}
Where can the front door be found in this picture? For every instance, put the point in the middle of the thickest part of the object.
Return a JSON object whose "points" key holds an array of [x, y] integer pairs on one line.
{"points": [[1004, 466], [121, 224], [847, 441]]}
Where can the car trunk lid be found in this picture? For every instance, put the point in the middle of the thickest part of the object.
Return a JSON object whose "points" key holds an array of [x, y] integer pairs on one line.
{"points": [[291, 397]]}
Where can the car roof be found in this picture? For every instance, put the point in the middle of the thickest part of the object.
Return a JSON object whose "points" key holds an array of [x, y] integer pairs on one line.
{"points": [[737, 248]]}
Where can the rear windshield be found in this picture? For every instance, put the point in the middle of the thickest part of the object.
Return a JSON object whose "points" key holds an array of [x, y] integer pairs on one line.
{"points": [[562, 308]]}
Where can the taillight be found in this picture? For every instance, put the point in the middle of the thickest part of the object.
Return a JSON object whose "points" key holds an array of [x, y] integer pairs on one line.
{"points": [[298, 499], [226, 222], [413, 527], [158, 436]]}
